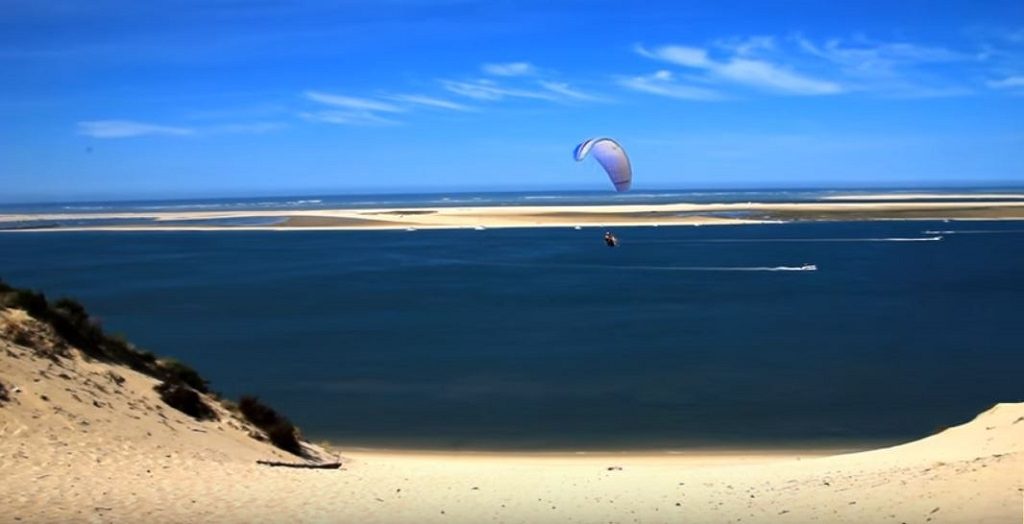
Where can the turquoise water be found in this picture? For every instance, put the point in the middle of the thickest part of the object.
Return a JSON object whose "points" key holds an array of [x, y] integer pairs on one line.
{"points": [[546, 339]]}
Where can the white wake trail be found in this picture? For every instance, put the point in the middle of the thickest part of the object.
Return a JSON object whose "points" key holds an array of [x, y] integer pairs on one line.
{"points": [[806, 267], [774, 240], [975, 232]]}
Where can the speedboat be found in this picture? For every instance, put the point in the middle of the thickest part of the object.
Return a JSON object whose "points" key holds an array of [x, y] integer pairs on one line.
{"points": [[808, 267]]}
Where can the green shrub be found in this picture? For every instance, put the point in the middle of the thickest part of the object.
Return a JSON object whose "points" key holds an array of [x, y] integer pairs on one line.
{"points": [[281, 431]]}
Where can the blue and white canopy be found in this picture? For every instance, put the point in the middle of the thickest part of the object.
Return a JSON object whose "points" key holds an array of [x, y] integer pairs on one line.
{"points": [[612, 158]]}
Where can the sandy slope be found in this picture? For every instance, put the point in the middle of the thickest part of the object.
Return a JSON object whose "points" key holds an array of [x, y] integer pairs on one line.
{"points": [[98, 448]]}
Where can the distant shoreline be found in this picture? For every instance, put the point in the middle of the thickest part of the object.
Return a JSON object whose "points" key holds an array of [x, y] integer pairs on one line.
{"points": [[891, 197], [502, 216]]}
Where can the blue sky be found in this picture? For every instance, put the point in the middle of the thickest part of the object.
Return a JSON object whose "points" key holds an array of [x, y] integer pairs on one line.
{"points": [[127, 99]]}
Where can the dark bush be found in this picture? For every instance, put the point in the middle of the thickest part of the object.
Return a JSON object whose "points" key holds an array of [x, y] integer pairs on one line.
{"points": [[72, 310], [283, 436], [118, 349], [146, 356], [280, 430], [185, 400], [173, 370], [23, 338], [257, 412], [33, 303]]}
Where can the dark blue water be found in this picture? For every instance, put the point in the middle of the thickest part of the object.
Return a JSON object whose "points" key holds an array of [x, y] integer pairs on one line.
{"points": [[544, 338]]}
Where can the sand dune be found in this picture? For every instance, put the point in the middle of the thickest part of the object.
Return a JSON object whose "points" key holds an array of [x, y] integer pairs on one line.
{"points": [[87, 441]]}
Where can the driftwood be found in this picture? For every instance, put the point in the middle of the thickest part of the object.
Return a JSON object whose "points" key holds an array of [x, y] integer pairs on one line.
{"points": [[330, 465]]}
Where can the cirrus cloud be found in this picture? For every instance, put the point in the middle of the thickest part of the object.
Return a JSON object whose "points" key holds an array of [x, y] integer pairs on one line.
{"points": [[127, 129], [510, 69], [664, 83], [737, 69]]}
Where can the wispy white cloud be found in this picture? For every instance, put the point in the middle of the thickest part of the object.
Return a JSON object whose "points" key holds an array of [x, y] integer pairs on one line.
{"points": [[510, 69], [770, 76], [737, 69], [664, 83], [351, 102], [796, 65], [521, 80], [128, 129], [483, 89], [429, 101], [350, 110], [355, 118], [747, 46], [570, 93], [864, 56], [359, 111], [488, 90], [1010, 82], [893, 69], [677, 54]]}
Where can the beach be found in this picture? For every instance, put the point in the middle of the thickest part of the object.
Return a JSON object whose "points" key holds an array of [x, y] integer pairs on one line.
{"points": [[521, 216]]}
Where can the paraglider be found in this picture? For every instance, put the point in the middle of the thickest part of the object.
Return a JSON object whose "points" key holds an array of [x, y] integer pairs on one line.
{"points": [[612, 158]]}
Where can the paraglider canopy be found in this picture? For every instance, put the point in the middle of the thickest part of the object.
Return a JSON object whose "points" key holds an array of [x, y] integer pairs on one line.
{"points": [[612, 158]]}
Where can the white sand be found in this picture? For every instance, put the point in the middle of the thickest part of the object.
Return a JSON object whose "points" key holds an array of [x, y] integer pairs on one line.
{"points": [[679, 214], [925, 196], [96, 451]]}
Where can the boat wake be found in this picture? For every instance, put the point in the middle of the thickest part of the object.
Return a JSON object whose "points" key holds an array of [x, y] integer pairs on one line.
{"points": [[935, 238], [612, 267], [975, 232]]}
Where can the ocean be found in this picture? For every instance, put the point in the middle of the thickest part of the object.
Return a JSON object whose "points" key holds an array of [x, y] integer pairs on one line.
{"points": [[545, 339]]}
